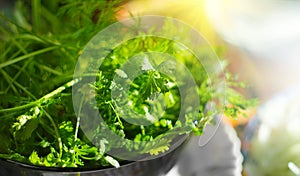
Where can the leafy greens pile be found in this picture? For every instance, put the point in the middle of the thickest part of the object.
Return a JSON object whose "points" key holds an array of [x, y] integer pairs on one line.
{"points": [[39, 48]]}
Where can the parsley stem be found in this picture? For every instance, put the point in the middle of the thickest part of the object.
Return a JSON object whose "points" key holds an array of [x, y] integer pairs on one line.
{"points": [[36, 14], [44, 99], [19, 73], [58, 90], [10, 84], [13, 40], [23, 57], [17, 108], [117, 115], [60, 145], [78, 117], [50, 70], [143, 130]]}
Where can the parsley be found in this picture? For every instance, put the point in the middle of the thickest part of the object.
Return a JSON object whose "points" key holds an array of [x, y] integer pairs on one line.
{"points": [[39, 49]]}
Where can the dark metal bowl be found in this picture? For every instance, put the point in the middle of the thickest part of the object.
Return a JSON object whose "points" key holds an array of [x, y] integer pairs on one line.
{"points": [[152, 167]]}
